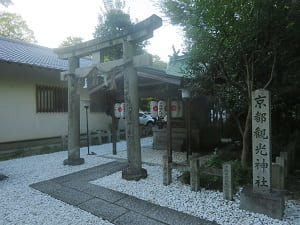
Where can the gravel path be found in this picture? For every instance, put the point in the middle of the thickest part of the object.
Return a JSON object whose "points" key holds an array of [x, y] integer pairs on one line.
{"points": [[205, 204], [148, 154], [20, 204]]}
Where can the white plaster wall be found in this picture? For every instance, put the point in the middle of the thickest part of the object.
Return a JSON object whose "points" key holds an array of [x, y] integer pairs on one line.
{"points": [[18, 117], [97, 121]]}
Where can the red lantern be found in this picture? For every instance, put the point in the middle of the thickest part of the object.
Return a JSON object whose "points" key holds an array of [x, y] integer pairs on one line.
{"points": [[174, 109]]}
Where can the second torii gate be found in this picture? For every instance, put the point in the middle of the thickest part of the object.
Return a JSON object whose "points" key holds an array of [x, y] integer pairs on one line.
{"points": [[139, 32]]}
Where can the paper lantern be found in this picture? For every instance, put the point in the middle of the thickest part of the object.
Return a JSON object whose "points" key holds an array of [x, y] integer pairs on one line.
{"points": [[174, 109], [118, 109], [153, 108], [180, 109], [123, 110], [161, 109]]}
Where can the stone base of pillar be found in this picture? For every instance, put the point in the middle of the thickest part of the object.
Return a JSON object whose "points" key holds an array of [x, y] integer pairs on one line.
{"points": [[74, 162], [271, 204], [133, 174]]}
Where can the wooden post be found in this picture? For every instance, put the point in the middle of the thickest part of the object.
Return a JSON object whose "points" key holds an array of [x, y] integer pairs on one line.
{"points": [[188, 128], [114, 133], [169, 130]]}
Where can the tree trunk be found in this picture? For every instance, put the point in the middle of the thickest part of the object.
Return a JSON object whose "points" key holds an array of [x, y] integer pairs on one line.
{"points": [[246, 139]]}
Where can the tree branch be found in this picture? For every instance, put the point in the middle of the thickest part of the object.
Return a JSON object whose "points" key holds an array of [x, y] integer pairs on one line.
{"points": [[272, 71], [230, 81], [235, 117], [248, 81]]}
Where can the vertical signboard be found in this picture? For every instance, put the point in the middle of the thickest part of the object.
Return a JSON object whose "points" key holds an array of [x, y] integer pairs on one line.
{"points": [[261, 141]]}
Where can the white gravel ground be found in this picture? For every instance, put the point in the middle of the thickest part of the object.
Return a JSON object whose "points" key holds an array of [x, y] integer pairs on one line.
{"points": [[20, 204], [205, 204], [148, 154]]}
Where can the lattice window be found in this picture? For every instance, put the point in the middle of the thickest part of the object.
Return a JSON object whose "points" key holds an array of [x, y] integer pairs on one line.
{"points": [[51, 99]]}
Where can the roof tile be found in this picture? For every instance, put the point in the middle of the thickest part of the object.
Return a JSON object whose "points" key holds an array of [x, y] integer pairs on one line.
{"points": [[32, 54]]}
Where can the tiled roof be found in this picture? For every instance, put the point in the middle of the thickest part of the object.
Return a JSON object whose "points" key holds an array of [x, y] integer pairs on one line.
{"points": [[31, 54]]}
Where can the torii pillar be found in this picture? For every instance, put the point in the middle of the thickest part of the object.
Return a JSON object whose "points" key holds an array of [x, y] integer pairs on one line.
{"points": [[131, 96], [73, 115]]}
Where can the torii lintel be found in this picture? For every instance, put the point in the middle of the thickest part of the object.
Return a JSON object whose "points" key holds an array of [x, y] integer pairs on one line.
{"points": [[139, 32]]}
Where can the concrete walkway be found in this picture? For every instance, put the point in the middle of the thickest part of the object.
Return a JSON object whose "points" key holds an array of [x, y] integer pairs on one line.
{"points": [[116, 207]]}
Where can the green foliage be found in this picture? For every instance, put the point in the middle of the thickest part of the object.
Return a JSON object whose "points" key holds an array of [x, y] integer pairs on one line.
{"points": [[235, 47], [71, 41], [144, 104], [214, 161], [158, 63], [230, 40], [211, 182], [112, 22], [13, 26], [241, 175]]}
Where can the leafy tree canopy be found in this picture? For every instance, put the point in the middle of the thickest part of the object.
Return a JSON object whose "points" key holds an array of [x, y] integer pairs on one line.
{"points": [[158, 63], [71, 41], [13, 26], [235, 47], [111, 22]]}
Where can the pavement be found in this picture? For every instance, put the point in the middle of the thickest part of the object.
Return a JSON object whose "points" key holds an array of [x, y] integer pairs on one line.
{"points": [[116, 207]]}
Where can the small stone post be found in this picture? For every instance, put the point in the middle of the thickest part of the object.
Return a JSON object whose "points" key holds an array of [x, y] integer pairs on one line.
{"points": [[284, 155], [134, 170], [194, 174], [73, 116], [227, 182], [167, 171], [280, 174]]}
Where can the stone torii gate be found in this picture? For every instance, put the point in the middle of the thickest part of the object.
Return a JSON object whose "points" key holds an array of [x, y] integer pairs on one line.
{"points": [[139, 32]]}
